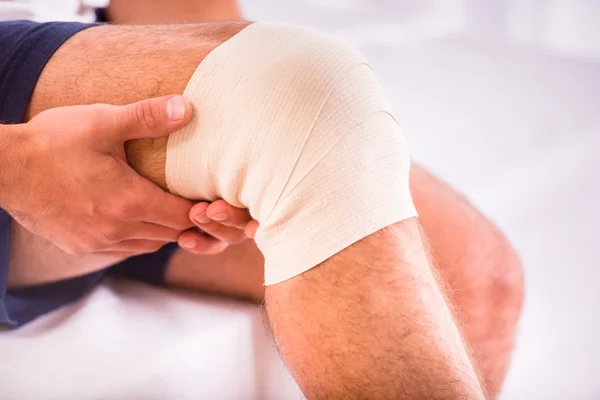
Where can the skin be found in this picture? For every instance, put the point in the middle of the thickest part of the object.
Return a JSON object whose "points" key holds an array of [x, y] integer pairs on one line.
{"points": [[83, 210], [476, 264], [481, 271], [351, 342], [104, 221], [178, 11]]}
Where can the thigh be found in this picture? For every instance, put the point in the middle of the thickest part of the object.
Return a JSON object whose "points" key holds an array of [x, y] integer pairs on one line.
{"points": [[123, 64]]}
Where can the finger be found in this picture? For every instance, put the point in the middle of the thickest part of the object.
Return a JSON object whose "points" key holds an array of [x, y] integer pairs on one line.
{"points": [[151, 118], [141, 231], [223, 233], [198, 243], [116, 256], [228, 215], [137, 246], [162, 208], [152, 231], [198, 214], [251, 229]]}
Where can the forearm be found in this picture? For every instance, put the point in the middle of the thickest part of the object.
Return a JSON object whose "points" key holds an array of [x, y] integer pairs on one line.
{"points": [[34, 260]]}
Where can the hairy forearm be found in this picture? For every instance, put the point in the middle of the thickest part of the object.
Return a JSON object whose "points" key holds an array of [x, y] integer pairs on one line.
{"points": [[34, 260], [28, 253]]}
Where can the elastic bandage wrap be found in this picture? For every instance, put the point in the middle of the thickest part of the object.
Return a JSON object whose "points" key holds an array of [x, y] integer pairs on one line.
{"points": [[295, 127]]}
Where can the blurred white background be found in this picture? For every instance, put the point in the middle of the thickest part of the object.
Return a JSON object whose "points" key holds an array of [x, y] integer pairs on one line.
{"points": [[568, 26], [502, 99]]}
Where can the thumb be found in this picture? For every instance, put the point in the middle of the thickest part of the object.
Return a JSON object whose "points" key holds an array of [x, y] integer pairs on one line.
{"points": [[153, 118]]}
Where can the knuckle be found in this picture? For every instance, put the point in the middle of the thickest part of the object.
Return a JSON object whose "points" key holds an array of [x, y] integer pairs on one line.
{"points": [[70, 250], [238, 239], [111, 235], [128, 210], [95, 114], [82, 248], [93, 246], [98, 111], [145, 115], [182, 226], [96, 119]]}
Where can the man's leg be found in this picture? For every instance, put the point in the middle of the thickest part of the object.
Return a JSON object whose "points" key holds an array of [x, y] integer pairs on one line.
{"points": [[478, 265], [480, 268], [370, 321]]}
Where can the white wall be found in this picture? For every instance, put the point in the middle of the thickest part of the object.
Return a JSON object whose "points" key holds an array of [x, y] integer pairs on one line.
{"points": [[569, 27]]}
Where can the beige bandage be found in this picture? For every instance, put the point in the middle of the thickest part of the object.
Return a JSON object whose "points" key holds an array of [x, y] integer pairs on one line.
{"points": [[296, 128]]}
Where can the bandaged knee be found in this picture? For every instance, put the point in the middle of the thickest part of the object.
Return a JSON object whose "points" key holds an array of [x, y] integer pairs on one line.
{"points": [[296, 128]]}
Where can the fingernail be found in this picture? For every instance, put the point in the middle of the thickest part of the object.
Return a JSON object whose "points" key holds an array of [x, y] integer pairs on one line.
{"points": [[202, 218], [189, 244], [176, 108], [219, 217]]}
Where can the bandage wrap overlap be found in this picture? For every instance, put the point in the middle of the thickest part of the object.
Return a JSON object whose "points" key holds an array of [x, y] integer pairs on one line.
{"points": [[295, 127]]}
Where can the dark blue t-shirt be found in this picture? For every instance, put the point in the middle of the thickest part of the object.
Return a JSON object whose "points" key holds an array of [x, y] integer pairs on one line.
{"points": [[25, 48]]}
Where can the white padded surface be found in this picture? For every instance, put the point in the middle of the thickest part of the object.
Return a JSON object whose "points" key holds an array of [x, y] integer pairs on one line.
{"points": [[131, 341], [525, 129]]}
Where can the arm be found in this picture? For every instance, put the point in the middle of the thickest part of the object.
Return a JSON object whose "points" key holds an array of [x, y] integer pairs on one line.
{"points": [[366, 329], [46, 199], [100, 234], [27, 249]]}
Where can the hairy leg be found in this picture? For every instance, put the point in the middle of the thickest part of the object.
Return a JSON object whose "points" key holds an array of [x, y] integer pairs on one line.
{"points": [[376, 307], [480, 268], [478, 265]]}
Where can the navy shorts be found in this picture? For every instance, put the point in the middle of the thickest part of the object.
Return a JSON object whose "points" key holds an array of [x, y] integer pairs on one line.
{"points": [[25, 48]]}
